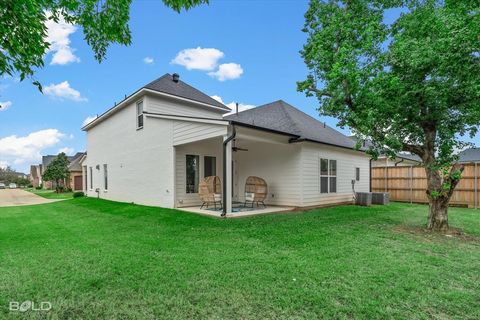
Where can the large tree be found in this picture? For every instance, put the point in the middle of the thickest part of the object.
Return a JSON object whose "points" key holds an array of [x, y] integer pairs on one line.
{"points": [[408, 85], [23, 32], [57, 171]]}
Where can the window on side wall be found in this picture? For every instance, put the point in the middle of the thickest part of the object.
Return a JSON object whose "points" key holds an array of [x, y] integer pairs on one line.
{"points": [[328, 176], [91, 178], [357, 174], [192, 163], [85, 178], [209, 166], [139, 114], [105, 177]]}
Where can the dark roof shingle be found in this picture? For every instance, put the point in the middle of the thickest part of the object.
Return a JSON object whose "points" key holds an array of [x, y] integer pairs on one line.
{"points": [[165, 84], [281, 116], [469, 155]]}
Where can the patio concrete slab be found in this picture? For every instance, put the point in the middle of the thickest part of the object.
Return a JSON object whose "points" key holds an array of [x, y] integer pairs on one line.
{"points": [[254, 212], [18, 197]]}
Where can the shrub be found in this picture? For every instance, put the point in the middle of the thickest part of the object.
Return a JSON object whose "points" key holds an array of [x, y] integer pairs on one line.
{"points": [[78, 194], [39, 187]]}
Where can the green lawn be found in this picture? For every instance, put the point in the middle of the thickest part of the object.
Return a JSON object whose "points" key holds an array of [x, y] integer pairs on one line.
{"points": [[95, 259], [51, 194]]}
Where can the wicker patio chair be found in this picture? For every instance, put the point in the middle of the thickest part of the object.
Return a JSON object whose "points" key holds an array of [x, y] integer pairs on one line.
{"points": [[209, 190], [256, 191]]}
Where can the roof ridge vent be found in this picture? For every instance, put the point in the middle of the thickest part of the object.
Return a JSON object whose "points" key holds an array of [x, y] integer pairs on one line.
{"points": [[175, 77]]}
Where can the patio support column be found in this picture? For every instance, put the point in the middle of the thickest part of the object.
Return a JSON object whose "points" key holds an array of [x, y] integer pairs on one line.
{"points": [[227, 172], [228, 178]]}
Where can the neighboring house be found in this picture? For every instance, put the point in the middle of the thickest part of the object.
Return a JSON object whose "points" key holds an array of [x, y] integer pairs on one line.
{"points": [[401, 159], [154, 147], [75, 180], [36, 175], [471, 155]]}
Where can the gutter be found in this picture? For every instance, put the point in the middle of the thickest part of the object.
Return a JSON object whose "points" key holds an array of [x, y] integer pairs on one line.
{"points": [[324, 143], [224, 193]]}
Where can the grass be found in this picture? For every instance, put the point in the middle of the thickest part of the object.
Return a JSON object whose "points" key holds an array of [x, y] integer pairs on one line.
{"points": [[51, 194], [95, 259]]}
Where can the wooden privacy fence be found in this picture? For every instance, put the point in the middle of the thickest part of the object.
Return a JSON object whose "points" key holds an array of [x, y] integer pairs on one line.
{"points": [[408, 184]]}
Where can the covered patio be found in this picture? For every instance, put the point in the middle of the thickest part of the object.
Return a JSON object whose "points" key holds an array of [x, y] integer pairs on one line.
{"points": [[234, 155]]}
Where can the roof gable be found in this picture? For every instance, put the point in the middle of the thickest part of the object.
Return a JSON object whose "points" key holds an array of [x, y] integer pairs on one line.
{"points": [[283, 117], [165, 84]]}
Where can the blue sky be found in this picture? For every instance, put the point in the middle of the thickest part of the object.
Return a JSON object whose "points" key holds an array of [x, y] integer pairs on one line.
{"points": [[262, 37]]}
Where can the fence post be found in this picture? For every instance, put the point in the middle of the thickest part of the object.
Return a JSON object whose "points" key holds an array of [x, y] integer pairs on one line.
{"points": [[386, 178], [411, 184], [476, 187]]}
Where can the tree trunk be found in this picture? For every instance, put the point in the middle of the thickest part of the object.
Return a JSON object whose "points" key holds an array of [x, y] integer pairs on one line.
{"points": [[439, 196], [438, 215]]}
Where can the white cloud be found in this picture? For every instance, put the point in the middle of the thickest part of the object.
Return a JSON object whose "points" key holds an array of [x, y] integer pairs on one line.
{"points": [[232, 105], [227, 71], [198, 58], [63, 91], [68, 151], [5, 105], [88, 120], [58, 36], [27, 149], [148, 60]]}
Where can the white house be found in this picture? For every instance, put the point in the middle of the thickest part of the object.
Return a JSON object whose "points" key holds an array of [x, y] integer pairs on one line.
{"points": [[138, 151]]}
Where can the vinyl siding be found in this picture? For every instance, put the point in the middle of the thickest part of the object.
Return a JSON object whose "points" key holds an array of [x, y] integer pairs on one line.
{"points": [[186, 132], [171, 107], [347, 161], [277, 163]]}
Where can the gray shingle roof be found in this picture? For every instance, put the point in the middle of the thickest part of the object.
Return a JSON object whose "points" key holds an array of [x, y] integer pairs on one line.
{"points": [[46, 160], [75, 163], [165, 84], [281, 116], [469, 155]]}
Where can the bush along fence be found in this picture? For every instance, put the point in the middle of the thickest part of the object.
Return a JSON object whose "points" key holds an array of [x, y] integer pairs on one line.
{"points": [[408, 184]]}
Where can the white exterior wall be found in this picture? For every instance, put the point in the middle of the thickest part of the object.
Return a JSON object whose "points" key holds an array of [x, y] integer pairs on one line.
{"points": [[141, 162], [347, 161], [277, 164]]}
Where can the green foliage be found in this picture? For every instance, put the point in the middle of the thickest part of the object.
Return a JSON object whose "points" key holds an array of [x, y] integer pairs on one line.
{"points": [[57, 170], [412, 86], [78, 194], [8, 175], [23, 31]]}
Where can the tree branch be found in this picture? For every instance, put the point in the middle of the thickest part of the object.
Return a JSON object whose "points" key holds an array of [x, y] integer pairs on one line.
{"points": [[319, 92]]}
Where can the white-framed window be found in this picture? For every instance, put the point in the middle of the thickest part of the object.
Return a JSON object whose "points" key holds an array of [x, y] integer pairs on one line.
{"points": [[139, 114], [357, 174], [91, 177], [192, 163], [328, 175], [105, 177]]}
